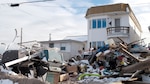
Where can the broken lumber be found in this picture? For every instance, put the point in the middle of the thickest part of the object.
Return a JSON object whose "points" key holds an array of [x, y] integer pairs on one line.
{"points": [[131, 55], [142, 65], [7, 64]]}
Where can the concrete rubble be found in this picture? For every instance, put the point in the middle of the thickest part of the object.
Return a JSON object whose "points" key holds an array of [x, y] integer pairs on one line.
{"points": [[114, 63]]}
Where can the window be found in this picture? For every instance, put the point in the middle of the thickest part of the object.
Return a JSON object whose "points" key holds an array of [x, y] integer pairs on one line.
{"points": [[100, 44], [94, 44], [90, 45], [94, 24], [98, 23], [103, 23], [117, 25], [103, 43], [51, 45], [62, 48], [97, 44]]}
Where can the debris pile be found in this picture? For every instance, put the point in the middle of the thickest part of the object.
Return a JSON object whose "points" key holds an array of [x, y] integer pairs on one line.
{"points": [[114, 62]]}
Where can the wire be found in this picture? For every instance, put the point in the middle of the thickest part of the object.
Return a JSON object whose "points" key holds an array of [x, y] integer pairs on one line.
{"points": [[12, 40], [35, 1], [17, 4], [59, 6]]}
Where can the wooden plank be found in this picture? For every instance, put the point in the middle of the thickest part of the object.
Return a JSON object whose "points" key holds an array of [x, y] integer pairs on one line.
{"points": [[21, 59], [131, 55]]}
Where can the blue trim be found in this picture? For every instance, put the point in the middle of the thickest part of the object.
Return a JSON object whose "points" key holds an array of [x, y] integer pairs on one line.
{"points": [[94, 23]]}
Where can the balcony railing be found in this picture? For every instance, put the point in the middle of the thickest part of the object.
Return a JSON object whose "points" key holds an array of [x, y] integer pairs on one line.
{"points": [[121, 31]]}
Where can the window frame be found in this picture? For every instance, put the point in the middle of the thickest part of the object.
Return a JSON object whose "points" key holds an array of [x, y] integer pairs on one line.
{"points": [[62, 48], [51, 45], [94, 24], [104, 23], [98, 23]]}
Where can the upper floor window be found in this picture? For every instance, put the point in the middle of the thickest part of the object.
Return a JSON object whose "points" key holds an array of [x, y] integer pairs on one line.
{"points": [[98, 23], [103, 23], [94, 23]]}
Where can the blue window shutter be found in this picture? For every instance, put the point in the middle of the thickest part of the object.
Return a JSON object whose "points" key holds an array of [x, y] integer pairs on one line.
{"points": [[103, 23], [94, 24], [99, 23]]}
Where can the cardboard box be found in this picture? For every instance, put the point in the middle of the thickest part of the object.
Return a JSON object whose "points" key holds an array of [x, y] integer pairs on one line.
{"points": [[64, 77], [72, 68]]}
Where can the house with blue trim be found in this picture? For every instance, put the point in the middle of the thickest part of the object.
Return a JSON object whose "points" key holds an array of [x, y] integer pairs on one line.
{"points": [[111, 21]]}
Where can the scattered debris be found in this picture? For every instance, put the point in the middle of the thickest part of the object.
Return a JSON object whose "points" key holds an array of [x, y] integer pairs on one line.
{"points": [[114, 62]]}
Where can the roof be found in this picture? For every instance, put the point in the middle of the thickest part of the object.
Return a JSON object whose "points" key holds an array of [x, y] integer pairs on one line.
{"points": [[107, 8], [77, 38], [67, 40], [120, 7]]}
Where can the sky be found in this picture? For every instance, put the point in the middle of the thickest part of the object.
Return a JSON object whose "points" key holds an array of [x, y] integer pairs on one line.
{"points": [[58, 18]]}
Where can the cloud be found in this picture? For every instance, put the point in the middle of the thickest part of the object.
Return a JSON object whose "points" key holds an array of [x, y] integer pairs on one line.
{"points": [[61, 18]]}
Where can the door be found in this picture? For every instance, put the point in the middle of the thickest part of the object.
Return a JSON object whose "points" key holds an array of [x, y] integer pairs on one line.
{"points": [[117, 25]]}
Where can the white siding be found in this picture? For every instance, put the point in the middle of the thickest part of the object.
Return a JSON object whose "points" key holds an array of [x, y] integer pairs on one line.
{"points": [[101, 34], [124, 21], [45, 45], [57, 45], [72, 47], [96, 34], [134, 32]]}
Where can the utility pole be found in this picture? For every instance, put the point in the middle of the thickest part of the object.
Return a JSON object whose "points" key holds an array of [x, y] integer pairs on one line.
{"points": [[21, 39], [50, 37]]}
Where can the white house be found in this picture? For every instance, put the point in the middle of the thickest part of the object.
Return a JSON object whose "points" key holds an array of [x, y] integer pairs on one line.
{"points": [[111, 21], [68, 47], [81, 38]]}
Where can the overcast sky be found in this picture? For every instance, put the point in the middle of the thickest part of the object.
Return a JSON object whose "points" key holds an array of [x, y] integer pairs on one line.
{"points": [[60, 18]]}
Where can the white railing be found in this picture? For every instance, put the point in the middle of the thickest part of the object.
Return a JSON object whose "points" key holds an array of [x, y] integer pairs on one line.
{"points": [[117, 31]]}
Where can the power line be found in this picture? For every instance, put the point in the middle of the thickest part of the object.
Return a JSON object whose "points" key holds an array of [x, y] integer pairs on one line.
{"points": [[17, 4], [35, 1]]}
